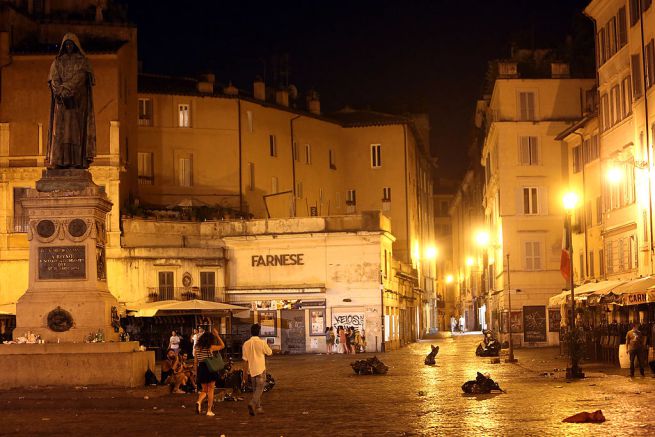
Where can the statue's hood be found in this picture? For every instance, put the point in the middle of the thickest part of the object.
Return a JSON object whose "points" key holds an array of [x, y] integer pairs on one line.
{"points": [[71, 37]]}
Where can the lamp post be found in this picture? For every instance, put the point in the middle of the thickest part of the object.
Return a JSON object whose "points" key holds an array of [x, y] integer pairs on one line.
{"points": [[570, 200], [510, 358], [431, 253]]}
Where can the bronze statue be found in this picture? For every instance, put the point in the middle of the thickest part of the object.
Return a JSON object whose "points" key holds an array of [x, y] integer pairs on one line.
{"points": [[72, 132]]}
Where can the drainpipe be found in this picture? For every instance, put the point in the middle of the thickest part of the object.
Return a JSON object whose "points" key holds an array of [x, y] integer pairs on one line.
{"points": [[240, 158], [293, 162]]}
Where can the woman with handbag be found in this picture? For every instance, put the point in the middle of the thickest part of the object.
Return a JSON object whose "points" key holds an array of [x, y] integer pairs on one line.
{"points": [[208, 367]]}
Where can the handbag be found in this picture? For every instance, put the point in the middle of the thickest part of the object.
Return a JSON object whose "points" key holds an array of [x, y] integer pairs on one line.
{"points": [[215, 364]]}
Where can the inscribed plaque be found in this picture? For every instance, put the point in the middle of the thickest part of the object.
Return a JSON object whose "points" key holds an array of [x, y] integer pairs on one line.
{"points": [[62, 262]]}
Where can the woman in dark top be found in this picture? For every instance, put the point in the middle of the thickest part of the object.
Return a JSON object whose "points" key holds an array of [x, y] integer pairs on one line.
{"points": [[207, 344]]}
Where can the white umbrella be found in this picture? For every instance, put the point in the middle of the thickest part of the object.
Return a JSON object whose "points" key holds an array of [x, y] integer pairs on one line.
{"points": [[8, 309], [172, 306]]}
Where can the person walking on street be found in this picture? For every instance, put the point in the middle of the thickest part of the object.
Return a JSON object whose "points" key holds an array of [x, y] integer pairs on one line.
{"points": [[635, 342], [254, 351], [208, 343], [174, 343]]}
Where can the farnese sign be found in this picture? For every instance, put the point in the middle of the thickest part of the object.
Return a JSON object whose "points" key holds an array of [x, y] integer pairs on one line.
{"points": [[285, 259]]}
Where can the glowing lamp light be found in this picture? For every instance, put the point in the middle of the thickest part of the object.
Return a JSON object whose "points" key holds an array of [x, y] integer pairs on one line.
{"points": [[431, 252], [482, 238], [449, 279], [469, 261], [614, 175], [570, 200]]}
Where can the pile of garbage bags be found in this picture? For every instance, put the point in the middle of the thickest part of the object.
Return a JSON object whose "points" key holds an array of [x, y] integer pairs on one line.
{"points": [[370, 366], [482, 384]]}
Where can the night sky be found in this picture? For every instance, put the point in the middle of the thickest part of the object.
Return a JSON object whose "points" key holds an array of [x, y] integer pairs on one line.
{"points": [[388, 56]]}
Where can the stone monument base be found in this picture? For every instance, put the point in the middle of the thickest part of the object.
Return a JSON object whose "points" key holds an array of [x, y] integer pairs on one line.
{"points": [[74, 364]]}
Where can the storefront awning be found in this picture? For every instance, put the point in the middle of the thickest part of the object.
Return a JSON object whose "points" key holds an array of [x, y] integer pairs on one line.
{"points": [[634, 292], [584, 292], [176, 307], [8, 309]]}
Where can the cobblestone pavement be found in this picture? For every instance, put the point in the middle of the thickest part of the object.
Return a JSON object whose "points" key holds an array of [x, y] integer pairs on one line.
{"points": [[320, 395]]}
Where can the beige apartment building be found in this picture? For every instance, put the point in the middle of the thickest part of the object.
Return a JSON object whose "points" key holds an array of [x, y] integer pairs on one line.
{"points": [[625, 57], [524, 182], [185, 155]]}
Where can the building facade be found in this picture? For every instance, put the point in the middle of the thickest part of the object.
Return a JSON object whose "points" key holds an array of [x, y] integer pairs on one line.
{"points": [[181, 152], [524, 182]]}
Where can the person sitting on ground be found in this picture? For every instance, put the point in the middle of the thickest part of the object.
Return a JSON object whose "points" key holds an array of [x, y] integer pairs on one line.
{"points": [[187, 375], [167, 366]]}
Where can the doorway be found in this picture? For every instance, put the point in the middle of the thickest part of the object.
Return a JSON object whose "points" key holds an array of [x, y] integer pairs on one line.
{"points": [[293, 331]]}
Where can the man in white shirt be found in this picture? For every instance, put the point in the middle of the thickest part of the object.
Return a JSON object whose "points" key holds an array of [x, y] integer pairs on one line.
{"points": [[174, 343], [254, 351]]}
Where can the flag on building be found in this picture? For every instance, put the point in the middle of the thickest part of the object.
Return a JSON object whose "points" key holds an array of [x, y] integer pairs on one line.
{"points": [[565, 259]]}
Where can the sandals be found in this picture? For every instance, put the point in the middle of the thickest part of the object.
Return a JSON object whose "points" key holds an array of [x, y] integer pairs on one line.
{"points": [[210, 413], [198, 408]]}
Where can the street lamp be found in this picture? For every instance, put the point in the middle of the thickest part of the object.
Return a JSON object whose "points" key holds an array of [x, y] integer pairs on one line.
{"points": [[431, 254], [570, 201]]}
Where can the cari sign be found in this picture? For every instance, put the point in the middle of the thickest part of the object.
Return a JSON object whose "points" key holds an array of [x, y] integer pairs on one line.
{"points": [[285, 259]]}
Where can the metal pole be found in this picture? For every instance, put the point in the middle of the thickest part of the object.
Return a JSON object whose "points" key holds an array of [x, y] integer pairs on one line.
{"points": [[510, 359], [574, 371]]}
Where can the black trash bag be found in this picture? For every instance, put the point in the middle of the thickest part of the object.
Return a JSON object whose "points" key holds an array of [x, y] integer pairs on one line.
{"points": [[369, 366], [430, 358], [151, 378], [482, 384], [268, 386]]}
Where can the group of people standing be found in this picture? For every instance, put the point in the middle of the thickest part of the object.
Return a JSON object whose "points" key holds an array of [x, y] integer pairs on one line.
{"points": [[346, 340], [206, 346]]}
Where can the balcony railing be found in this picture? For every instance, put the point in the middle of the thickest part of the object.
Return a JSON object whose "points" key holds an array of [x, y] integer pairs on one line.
{"points": [[157, 294], [18, 224]]}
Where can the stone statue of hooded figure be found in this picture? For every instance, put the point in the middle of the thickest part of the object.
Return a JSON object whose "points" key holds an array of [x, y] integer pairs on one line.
{"points": [[72, 132]]}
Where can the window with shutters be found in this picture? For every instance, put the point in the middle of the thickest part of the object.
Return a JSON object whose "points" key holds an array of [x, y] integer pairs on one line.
{"points": [[20, 219], [299, 190], [530, 200], [145, 168], [185, 171], [626, 96], [272, 145], [528, 151], [592, 272], [532, 255], [249, 117], [296, 152], [386, 194], [308, 153], [165, 285], [601, 42], [622, 28], [601, 263], [376, 155], [605, 109], [577, 159], [612, 36], [351, 197], [208, 286], [184, 115], [145, 112], [526, 106], [274, 185], [650, 64], [332, 160], [599, 210], [251, 173], [634, 12], [635, 62], [589, 214], [581, 268], [615, 104]]}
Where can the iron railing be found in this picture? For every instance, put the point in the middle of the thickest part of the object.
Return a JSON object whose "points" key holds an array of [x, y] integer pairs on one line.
{"points": [[157, 294]]}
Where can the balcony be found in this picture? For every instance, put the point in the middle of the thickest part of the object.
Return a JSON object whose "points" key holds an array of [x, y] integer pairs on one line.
{"points": [[158, 294], [18, 224]]}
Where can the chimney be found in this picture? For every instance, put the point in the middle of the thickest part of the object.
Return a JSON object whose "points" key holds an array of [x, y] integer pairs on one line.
{"points": [[282, 97], [231, 90], [313, 103], [5, 57], [206, 83], [560, 70], [508, 70], [259, 89]]}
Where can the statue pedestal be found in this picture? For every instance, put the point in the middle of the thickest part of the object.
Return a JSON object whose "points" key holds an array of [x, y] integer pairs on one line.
{"points": [[67, 297]]}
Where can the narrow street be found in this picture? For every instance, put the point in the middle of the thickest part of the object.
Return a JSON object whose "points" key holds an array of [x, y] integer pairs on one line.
{"points": [[320, 395]]}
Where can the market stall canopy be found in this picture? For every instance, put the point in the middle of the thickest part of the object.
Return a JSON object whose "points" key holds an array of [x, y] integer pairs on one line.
{"points": [[8, 309], [178, 307], [634, 292], [584, 291]]}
